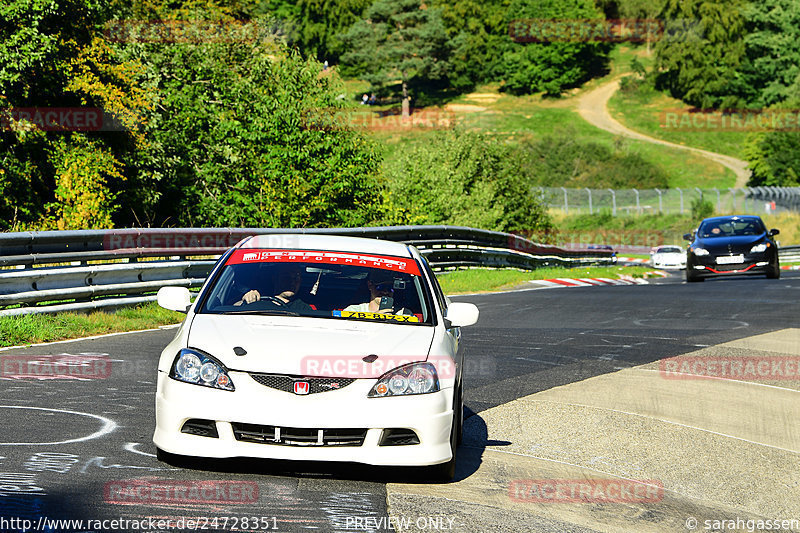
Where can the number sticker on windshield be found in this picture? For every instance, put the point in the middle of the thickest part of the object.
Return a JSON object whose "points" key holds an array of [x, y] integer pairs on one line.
{"points": [[376, 316]]}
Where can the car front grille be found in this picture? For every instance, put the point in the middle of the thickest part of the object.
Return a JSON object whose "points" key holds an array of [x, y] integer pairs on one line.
{"points": [[286, 436], [315, 385]]}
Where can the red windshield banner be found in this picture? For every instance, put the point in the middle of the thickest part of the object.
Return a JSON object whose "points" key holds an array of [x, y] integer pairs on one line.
{"points": [[396, 264]]}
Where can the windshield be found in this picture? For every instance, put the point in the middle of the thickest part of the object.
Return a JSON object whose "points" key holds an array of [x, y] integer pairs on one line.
{"points": [[734, 227], [336, 285], [669, 250]]}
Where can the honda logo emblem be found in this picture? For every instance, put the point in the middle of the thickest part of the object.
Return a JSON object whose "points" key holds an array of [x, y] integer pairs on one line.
{"points": [[301, 387]]}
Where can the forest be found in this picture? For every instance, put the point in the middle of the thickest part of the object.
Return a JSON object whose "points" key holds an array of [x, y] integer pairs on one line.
{"points": [[232, 113]]}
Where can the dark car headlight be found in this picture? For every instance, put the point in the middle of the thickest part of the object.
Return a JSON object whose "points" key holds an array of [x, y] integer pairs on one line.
{"points": [[414, 378], [699, 251], [758, 248], [198, 368]]}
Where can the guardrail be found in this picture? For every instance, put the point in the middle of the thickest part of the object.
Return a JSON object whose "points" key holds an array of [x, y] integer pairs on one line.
{"points": [[53, 271], [789, 253]]}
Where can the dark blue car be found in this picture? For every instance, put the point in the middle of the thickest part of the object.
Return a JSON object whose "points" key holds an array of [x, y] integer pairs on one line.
{"points": [[732, 245]]}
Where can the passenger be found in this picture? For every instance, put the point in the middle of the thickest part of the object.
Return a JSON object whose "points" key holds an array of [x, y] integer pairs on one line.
{"points": [[381, 285], [289, 278]]}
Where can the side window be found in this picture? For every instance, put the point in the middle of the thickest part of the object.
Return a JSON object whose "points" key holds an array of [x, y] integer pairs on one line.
{"points": [[436, 288]]}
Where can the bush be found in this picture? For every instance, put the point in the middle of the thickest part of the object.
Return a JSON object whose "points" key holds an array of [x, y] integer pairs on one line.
{"points": [[560, 160], [461, 178], [701, 208]]}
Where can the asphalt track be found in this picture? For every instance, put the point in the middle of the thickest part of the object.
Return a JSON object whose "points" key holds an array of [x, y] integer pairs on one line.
{"points": [[561, 384]]}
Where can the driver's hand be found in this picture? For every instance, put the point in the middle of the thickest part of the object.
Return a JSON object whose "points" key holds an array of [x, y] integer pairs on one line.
{"points": [[249, 297]]}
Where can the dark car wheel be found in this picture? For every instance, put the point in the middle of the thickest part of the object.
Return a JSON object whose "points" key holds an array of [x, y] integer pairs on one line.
{"points": [[460, 411], [775, 272], [691, 277]]}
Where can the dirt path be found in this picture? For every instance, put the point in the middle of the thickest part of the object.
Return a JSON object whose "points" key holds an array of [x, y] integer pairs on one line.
{"points": [[593, 108]]}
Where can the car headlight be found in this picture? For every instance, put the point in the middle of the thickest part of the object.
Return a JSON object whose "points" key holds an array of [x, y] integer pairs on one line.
{"points": [[194, 366], [759, 248], [699, 251], [413, 378]]}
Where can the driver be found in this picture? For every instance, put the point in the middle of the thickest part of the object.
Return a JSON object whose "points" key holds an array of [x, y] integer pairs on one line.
{"points": [[289, 278]]}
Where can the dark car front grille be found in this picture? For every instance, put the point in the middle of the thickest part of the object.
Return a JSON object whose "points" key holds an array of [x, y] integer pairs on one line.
{"points": [[286, 383], [286, 436]]}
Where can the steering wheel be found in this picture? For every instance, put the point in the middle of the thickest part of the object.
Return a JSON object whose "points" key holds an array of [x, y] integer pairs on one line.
{"points": [[274, 300]]}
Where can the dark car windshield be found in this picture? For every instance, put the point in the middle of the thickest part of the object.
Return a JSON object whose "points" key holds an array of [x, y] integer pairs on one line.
{"points": [[733, 227], [337, 285]]}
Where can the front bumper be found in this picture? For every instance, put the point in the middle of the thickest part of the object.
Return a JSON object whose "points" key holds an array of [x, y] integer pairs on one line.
{"points": [[430, 416], [754, 264]]}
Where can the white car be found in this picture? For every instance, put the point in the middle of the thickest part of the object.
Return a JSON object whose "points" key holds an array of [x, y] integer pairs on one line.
{"points": [[284, 355], [668, 257]]}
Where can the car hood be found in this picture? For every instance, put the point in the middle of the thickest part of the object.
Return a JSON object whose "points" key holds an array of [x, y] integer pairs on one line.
{"points": [[737, 244], [305, 346]]}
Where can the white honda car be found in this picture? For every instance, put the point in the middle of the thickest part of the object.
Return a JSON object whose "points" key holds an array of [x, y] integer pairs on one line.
{"points": [[668, 257], [315, 347]]}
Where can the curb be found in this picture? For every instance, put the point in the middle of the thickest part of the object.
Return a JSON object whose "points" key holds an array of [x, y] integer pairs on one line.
{"points": [[588, 282]]}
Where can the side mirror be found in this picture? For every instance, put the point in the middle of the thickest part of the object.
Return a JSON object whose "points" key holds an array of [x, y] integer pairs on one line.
{"points": [[461, 314], [687, 236], [175, 298], [774, 232]]}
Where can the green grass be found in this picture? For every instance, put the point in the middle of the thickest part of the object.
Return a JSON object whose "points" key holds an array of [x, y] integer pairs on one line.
{"points": [[29, 329], [484, 279], [644, 110]]}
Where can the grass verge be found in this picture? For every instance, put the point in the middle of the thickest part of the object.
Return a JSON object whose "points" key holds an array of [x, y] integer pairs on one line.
{"points": [[485, 280], [30, 329]]}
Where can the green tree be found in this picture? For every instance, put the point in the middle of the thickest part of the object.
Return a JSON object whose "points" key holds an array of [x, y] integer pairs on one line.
{"points": [[51, 57], [476, 31], [245, 133], [699, 57], [556, 65], [319, 24], [398, 40], [771, 66], [774, 158], [462, 178]]}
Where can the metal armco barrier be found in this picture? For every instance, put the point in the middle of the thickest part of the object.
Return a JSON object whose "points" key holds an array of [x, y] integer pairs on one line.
{"points": [[789, 253], [50, 271]]}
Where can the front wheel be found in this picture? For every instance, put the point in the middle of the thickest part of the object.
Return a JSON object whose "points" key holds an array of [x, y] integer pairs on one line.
{"points": [[691, 277], [774, 273]]}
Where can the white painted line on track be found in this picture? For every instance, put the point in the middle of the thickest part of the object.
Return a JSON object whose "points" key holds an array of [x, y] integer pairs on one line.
{"points": [[108, 426], [131, 447]]}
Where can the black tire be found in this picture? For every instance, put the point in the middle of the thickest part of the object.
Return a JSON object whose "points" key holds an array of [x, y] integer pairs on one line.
{"points": [[774, 273], [691, 277], [460, 411]]}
